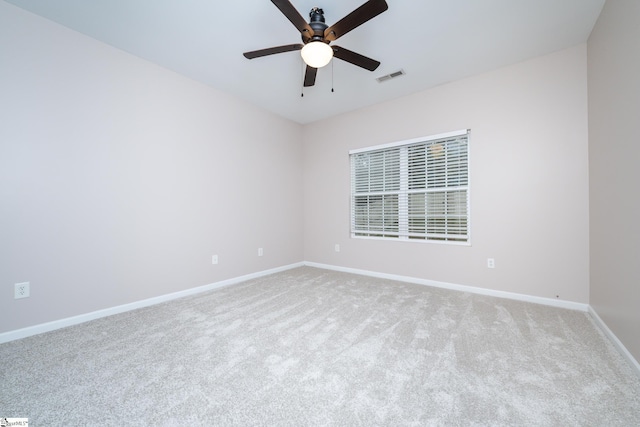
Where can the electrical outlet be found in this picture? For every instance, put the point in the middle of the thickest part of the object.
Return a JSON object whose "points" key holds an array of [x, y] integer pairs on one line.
{"points": [[491, 263], [260, 252], [337, 247], [214, 259], [21, 290]]}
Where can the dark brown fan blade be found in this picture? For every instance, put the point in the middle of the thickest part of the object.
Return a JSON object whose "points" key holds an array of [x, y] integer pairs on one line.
{"points": [[272, 50], [367, 11], [355, 58], [310, 76], [294, 16]]}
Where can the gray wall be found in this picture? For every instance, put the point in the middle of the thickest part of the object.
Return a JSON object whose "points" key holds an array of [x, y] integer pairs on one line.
{"points": [[614, 152], [120, 179], [529, 180]]}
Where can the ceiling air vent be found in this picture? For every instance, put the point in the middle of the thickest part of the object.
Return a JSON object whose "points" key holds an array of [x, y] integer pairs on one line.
{"points": [[391, 76]]}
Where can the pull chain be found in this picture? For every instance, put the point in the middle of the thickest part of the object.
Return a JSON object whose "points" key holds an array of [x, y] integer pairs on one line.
{"points": [[332, 61], [303, 71]]}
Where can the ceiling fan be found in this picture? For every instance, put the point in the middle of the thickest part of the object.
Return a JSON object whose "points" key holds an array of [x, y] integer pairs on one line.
{"points": [[316, 36]]}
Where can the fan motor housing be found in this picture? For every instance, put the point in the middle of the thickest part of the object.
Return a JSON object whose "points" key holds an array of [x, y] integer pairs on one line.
{"points": [[317, 23]]}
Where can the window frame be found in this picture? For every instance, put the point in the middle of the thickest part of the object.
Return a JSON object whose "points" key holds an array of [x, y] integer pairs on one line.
{"points": [[403, 216]]}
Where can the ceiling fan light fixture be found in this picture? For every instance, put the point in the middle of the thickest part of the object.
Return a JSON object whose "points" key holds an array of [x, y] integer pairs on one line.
{"points": [[316, 54]]}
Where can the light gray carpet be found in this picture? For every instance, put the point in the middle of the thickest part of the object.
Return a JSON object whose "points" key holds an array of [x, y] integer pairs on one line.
{"points": [[310, 347]]}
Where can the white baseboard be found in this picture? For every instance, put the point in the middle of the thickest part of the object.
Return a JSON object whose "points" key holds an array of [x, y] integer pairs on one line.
{"points": [[69, 321], [616, 342], [471, 289]]}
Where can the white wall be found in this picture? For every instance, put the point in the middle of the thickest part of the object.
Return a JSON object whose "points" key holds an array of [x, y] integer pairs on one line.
{"points": [[529, 180], [119, 179], [614, 151]]}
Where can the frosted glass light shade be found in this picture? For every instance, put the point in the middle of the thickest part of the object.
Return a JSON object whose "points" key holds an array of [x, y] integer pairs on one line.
{"points": [[316, 54]]}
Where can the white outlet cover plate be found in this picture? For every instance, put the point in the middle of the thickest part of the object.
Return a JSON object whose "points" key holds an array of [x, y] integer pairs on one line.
{"points": [[22, 290]]}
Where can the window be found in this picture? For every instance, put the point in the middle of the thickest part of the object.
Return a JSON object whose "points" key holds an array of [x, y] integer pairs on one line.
{"points": [[412, 190]]}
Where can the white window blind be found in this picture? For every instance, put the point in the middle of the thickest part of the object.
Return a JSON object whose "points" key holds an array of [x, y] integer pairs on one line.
{"points": [[413, 190]]}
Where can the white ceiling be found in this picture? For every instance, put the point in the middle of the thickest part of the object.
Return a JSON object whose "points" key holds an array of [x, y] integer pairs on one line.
{"points": [[433, 41]]}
